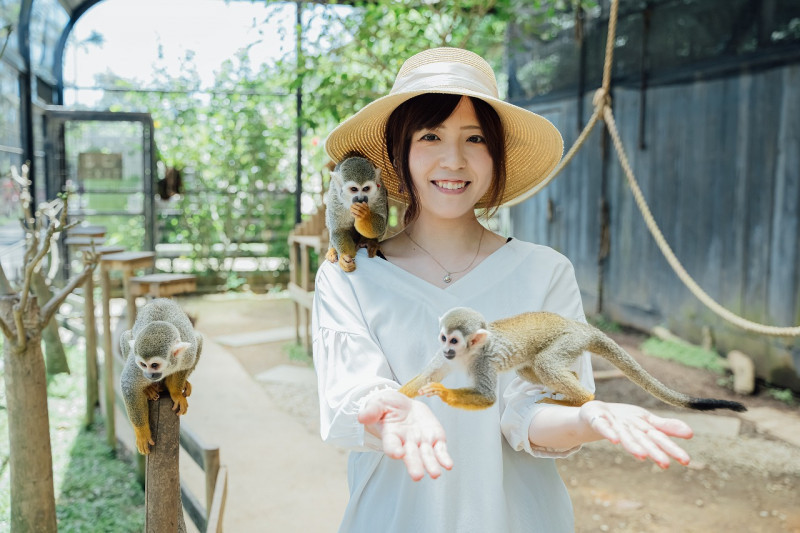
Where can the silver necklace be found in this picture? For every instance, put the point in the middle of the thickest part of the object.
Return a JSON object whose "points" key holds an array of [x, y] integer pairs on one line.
{"points": [[448, 276]]}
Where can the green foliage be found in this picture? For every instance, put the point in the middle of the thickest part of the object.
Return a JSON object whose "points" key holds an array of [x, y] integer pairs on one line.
{"points": [[297, 352], [237, 140], [603, 323], [685, 354], [95, 491], [783, 395]]}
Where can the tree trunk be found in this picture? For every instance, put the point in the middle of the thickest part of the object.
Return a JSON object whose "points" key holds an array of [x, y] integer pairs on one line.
{"points": [[33, 506], [55, 357]]}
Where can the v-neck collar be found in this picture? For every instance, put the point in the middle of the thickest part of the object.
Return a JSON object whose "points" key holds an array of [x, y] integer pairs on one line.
{"points": [[497, 255]]}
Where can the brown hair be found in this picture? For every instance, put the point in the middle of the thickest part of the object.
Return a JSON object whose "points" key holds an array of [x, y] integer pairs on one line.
{"points": [[428, 111]]}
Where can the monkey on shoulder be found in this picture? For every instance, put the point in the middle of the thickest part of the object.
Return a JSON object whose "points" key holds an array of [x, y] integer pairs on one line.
{"points": [[160, 351], [356, 210], [541, 347]]}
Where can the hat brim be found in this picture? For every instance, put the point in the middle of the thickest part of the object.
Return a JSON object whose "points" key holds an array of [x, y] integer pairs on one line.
{"points": [[533, 145]]}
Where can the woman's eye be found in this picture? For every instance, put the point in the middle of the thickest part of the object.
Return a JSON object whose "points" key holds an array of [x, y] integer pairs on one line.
{"points": [[476, 139], [429, 137]]}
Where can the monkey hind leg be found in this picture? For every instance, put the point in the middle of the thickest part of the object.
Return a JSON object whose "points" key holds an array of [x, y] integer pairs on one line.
{"points": [[565, 382], [143, 438], [332, 256]]}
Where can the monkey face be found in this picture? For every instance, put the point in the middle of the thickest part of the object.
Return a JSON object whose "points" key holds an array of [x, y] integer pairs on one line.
{"points": [[453, 343], [153, 368], [360, 192]]}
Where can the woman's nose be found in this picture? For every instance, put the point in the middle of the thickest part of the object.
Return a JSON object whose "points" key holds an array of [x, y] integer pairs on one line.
{"points": [[452, 156]]}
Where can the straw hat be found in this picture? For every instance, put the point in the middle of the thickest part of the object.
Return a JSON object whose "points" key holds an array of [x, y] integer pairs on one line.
{"points": [[533, 145]]}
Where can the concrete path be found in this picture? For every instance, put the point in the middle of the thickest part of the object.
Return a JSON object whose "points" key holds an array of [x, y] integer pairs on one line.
{"points": [[281, 476]]}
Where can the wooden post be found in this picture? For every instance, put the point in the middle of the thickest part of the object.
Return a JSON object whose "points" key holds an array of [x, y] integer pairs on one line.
{"points": [[108, 359], [293, 267], [90, 332], [163, 509], [211, 467], [305, 276]]}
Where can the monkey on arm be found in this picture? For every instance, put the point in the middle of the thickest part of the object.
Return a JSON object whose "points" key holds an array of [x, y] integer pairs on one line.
{"points": [[541, 347]]}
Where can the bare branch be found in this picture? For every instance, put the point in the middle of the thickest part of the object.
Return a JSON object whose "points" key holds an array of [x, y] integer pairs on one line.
{"points": [[21, 339], [31, 265], [5, 285], [7, 333], [49, 309]]}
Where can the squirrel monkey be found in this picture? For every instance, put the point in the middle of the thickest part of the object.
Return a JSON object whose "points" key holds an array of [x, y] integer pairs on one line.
{"points": [[161, 349], [541, 347], [356, 210]]}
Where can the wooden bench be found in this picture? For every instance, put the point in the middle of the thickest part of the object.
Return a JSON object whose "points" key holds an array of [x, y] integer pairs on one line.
{"points": [[162, 285]]}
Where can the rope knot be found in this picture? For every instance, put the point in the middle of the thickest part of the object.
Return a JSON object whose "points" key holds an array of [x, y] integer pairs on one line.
{"points": [[601, 98]]}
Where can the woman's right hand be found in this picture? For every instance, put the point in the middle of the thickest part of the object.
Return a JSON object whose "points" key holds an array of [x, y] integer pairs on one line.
{"points": [[409, 431]]}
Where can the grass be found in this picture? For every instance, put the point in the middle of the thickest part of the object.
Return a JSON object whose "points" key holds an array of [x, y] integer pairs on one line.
{"points": [[688, 355], [95, 490]]}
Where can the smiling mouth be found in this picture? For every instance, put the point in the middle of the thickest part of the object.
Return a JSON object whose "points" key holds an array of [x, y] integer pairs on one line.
{"points": [[451, 185]]}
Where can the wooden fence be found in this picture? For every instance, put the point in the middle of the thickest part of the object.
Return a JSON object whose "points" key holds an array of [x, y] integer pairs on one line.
{"points": [[720, 169]]}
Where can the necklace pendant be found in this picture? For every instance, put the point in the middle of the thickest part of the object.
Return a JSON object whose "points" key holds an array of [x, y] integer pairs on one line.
{"points": [[447, 278]]}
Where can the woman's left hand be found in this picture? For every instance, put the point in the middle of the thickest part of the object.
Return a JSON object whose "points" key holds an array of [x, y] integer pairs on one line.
{"points": [[639, 431]]}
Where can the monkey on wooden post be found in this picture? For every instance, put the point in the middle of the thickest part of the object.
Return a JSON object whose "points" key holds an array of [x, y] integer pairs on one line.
{"points": [[161, 349], [356, 210], [540, 347]]}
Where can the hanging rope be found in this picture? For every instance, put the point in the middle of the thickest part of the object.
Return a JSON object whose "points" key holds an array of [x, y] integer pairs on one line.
{"points": [[602, 109]]}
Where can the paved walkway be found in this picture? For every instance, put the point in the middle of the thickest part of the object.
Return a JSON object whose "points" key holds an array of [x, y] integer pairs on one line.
{"points": [[281, 477]]}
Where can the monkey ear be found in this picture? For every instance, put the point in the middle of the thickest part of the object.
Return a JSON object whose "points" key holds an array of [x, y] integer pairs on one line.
{"points": [[336, 176], [378, 175], [178, 348], [478, 338]]}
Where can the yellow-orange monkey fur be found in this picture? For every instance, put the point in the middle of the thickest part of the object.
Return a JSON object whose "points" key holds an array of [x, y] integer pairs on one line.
{"points": [[541, 347]]}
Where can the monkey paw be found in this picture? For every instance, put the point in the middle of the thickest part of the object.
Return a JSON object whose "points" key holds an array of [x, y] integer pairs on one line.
{"points": [[332, 256], [143, 439], [360, 210], [152, 390], [180, 405], [434, 389], [347, 263], [187, 390]]}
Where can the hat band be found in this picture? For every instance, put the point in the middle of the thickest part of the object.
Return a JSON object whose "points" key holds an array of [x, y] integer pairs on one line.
{"points": [[445, 75]]}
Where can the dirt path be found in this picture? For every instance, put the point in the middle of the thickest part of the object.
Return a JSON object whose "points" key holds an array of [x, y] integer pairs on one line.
{"points": [[744, 483]]}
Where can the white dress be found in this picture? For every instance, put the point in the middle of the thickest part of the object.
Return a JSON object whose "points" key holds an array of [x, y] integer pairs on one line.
{"points": [[377, 327]]}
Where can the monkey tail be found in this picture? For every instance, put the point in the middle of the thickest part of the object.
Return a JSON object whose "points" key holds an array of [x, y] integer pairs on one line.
{"points": [[606, 348]]}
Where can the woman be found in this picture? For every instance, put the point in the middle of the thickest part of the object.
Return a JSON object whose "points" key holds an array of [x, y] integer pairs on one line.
{"points": [[446, 146]]}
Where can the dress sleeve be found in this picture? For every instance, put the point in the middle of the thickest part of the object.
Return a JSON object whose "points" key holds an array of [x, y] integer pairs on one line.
{"points": [[348, 361], [521, 398]]}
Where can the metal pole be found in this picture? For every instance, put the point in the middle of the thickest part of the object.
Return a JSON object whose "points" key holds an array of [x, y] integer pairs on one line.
{"points": [[299, 93]]}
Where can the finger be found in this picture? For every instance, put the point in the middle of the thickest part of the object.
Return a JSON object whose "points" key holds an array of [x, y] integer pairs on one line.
{"points": [[413, 461], [429, 460], [393, 446], [645, 439], [604, 428], [442, 455], [669, 446], [629, 442], [671, 426]]}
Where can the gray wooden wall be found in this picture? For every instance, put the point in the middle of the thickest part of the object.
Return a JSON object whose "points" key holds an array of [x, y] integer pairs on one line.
{"points": [[720, 169]]}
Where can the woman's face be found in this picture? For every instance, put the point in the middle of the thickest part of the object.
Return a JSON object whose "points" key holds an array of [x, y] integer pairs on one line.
{"points": [[450, 164]]}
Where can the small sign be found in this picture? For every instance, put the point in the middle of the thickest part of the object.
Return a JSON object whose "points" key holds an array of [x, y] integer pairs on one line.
{"points": [[96, 165]]}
